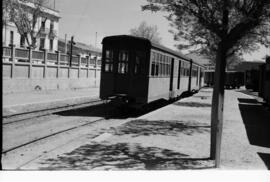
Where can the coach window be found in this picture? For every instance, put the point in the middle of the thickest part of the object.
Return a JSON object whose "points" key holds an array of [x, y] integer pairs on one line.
{"points": [[182, 68], [167, 66], [108, 61], [160, 64], [163, 65], [188, 71], [185, 69], [153, 65], [156, 64], [139, 60], [123, 62]]}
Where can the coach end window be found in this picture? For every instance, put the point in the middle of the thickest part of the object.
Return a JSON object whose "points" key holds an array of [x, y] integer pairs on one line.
{"points": [[139, 61], [123, 62], [108, 61]]}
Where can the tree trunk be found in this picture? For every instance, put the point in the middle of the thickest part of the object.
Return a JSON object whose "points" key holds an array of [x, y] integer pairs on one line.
{"points": [[218, 104]]}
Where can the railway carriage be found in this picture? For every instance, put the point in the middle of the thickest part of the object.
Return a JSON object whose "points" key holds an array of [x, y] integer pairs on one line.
{"points": [[139, 71], [264, 83]]}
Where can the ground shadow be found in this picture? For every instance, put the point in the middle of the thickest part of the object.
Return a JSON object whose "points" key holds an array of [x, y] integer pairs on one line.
{"points": [[203, 97], [111, 111], [192, 104], [257, 123], [247, 101], [143, 127], [249, 92], [266, 159], [124, 156]]}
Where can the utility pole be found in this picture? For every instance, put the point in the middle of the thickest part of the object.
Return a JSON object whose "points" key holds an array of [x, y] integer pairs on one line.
{"points": [[71, 47], [65, 48]]}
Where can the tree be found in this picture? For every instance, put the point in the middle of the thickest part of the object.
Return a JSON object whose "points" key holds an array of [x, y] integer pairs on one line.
{"points": [[146, 31], [219, 28], [25, 14]]}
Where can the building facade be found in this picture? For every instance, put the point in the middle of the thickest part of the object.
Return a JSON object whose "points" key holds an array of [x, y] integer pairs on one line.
{"points": [[47, 30], [79, 48]]}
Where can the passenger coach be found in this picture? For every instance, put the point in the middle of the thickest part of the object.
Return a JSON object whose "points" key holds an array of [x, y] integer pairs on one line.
{"points": [[140, 71]]}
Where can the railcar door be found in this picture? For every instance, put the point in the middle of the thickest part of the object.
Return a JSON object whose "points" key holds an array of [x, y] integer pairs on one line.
{"points": [[121, 81], [172, 74], [200, 77]]}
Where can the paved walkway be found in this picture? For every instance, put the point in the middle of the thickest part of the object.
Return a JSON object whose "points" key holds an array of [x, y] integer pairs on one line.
{"points": [[26, 102], [174, 137]]}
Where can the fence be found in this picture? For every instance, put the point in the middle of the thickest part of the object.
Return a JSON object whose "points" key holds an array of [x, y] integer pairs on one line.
{"points": [[27, 70]]}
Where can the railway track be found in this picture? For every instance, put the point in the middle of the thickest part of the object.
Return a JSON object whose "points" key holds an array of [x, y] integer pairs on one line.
{"points": [[49, 135], [58, 123], [24, 143], [11, 118]]}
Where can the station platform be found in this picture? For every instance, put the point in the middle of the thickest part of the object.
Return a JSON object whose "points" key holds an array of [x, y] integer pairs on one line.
{"points": [[178, 136], [18, 103]]}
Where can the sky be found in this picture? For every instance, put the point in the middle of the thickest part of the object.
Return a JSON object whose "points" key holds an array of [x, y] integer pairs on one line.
{"points": [[86, 18]]}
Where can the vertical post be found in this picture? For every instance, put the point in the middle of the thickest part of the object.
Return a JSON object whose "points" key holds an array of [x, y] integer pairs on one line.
{"points": [[65, 48], [71, 47], [79, 65], [88, 64], [12, 47], [5, 38], [45, 63], [68, 67], [95, 66], [58, 63], [218, 106], [189, 76], [30, 62]]}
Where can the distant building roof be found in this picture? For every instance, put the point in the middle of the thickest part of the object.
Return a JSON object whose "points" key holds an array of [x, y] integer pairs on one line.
{"points": [[79, 47]]}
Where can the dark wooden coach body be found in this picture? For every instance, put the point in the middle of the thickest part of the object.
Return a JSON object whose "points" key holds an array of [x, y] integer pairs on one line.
{"points": [[141, 71], [264, 83]]}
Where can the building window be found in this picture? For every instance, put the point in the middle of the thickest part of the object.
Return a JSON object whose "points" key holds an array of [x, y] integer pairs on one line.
{"points": [[43, 24], [51, 26], [42, 43], [51, 44], [11, 40]]}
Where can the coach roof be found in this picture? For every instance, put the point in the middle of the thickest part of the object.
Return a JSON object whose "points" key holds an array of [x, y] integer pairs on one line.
{"points": [[148, 42]]}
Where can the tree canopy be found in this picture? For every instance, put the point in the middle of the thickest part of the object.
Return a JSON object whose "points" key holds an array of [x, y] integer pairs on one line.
{"points": [[146, 31], [25, 17], [220, 29], [202, 24]]}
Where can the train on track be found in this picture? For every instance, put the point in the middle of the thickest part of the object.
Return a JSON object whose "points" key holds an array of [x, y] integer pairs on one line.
{"points": [[257, 77], [264, 81], [139, 71], [233, 79]]}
